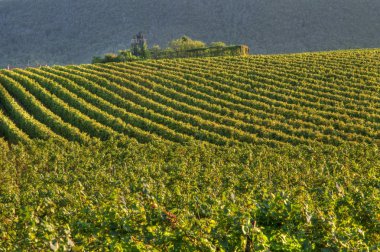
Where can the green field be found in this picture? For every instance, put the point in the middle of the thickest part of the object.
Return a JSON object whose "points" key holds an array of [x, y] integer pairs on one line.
{"points": [[257, 153]]}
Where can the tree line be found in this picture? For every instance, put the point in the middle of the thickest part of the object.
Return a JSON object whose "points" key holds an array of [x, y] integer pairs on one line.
{"points": [[179, 47]]}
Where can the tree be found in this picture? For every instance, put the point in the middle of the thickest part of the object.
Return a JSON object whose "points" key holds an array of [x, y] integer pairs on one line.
{"points": [[111, 57], [139, 46], [126, 56], [218, 44], [185, 43], [145, 53], [155, 51], [156, 48], [97, 59]]}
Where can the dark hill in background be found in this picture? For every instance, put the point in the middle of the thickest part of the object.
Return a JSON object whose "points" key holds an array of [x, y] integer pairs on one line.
{"points": [[72, 31]]}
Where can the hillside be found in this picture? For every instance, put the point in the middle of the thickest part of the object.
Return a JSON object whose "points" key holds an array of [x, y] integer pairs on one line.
{"points": [[329, 98], [72, 31], [258, 153]]}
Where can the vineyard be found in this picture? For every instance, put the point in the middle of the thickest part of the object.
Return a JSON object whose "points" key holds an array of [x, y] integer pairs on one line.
{"points": [[257, 153], [327, 98], [125, 196]]}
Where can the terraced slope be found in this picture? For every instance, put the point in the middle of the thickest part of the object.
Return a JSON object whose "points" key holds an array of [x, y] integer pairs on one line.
{"points": [[330, 97]]}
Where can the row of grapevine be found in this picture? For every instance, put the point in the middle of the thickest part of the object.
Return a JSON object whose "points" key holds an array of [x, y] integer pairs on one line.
{"points": [[292, 77], [207, 109], [132, 102], [278, 88], [10, 131], [60, 107], [20, 117], [40, 112], [354, 108], [238, 111], [139, 94], [361, 76], [89, 104], [315, 87], [254, 96], [330, 98], [164, 98], [329, 75], [262, 105], [361, 67]]}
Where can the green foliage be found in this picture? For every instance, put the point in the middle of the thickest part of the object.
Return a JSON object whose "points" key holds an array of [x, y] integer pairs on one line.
{"points": [[218, 44], [97, 59], [185, 43], [155, 51], [325, 98], [183, 47], [122, 56], [211, 51], [127, 56], [186, 162], [145, 52], [155, 48], [111, 57], [121, 195]]}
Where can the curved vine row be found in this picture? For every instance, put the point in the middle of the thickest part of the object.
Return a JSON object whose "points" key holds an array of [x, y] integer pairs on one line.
{"points": [[328, 98]]}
